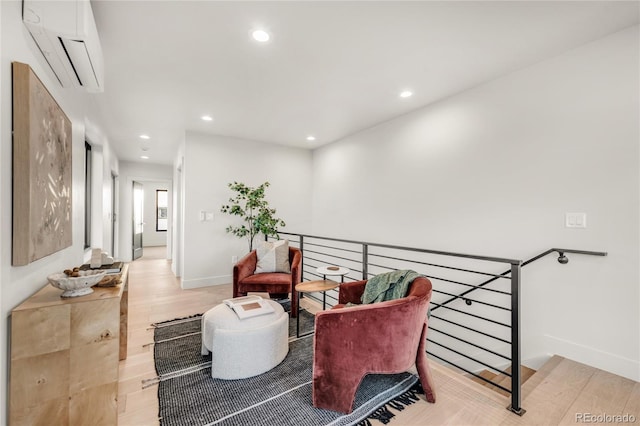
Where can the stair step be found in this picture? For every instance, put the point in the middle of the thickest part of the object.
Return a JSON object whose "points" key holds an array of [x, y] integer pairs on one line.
{"points": [[502, 380], [486, 374], [562, 389], [557, 392], [525, 374]]}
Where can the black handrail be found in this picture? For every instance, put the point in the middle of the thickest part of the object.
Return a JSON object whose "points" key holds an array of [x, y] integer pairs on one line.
{"points": [[513, 274], [414, 249], [561, 259], [434, 265]]}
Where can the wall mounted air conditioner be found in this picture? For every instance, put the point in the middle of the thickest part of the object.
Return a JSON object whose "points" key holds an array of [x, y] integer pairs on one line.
{"points": [[66, 34]]}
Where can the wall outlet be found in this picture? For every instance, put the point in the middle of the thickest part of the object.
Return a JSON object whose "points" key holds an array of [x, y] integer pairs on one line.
{"points": [[234, 259]]}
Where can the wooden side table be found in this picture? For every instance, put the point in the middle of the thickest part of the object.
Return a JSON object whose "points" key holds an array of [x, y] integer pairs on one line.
{"points": [[317, 286]]}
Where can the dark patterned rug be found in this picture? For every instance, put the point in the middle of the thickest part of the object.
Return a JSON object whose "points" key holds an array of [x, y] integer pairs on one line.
{"points": [[189, 396]]}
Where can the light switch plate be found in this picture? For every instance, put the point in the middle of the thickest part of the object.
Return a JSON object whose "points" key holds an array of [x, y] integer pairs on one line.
{"points": [[575, 220]]}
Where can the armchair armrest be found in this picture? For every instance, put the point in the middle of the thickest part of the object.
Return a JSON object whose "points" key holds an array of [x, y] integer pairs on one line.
{"points": [[296, 272], [244, 268], [246, 265], [351, 292]]}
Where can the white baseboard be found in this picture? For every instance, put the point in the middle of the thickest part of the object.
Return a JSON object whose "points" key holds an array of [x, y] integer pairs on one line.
{"points": [[597, 358], [205, 282]]}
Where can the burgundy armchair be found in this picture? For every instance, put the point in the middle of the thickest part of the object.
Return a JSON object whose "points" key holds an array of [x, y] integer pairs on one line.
{"points": [[380, 338], [277, 284]]}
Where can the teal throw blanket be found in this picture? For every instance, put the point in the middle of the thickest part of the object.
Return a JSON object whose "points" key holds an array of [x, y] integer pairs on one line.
{"points": [[388, 286]]}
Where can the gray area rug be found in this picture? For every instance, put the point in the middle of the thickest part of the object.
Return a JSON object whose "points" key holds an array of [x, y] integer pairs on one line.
{"points": [[282, 396]]}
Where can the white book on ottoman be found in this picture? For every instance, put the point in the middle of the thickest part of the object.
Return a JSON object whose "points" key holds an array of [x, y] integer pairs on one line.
{"points": [[249, 306]]}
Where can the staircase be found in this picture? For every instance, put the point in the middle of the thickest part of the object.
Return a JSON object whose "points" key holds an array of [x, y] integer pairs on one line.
{"points": [[558, 393], [501, 379]]}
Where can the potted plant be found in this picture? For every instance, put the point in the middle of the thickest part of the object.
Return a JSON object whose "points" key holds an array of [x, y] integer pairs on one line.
{"points": [[250, 204]]}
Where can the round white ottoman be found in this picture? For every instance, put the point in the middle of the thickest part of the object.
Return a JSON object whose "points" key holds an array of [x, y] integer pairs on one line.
{"points": [[247, 347]]}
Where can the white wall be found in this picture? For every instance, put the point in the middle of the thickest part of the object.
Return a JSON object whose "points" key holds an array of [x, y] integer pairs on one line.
{"points": [[104, 163], [210, 163], [493, 170], [176, 243], [141, 172], [18, 283], [110, 212], [3, 219], [151, 237], [97, 200]]}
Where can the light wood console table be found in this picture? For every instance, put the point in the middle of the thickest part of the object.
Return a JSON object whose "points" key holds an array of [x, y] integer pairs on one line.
{"points": [[65, 355]]}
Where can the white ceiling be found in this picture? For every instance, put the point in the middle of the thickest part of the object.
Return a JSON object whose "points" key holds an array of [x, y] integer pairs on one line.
{"points": [[331, 68]]}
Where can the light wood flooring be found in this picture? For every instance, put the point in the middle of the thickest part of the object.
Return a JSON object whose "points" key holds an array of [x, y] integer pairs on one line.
{"points": [[556, 394]]}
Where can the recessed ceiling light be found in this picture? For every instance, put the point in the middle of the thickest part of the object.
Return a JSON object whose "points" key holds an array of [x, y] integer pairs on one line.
{"points": [[145, 137], [406, 94], [311, 138], [144, 157], [260, 35], [207, 118]]}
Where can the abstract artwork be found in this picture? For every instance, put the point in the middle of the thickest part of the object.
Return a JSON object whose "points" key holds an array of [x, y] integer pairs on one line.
{"points": [[41, 170]]}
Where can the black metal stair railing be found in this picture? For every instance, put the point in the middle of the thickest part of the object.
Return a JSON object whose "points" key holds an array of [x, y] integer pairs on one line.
{"points": [[562, 259], [472, 326]]}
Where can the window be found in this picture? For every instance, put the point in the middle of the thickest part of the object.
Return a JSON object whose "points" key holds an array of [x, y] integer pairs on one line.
{"points": [[87, 195], [162, 202]]}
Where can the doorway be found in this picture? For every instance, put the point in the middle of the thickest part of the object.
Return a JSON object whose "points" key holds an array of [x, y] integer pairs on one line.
{"points": [[138, 219], [113, 213]]}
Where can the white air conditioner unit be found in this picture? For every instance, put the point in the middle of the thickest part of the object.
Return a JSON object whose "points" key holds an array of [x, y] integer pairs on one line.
{"points": [[66, 34]]}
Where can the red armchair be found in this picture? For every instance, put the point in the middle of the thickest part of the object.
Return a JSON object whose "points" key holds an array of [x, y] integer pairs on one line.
{"points": [[380, 338], [277, 284]]}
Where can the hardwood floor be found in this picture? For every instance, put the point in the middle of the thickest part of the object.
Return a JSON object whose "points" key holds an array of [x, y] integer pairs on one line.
{"points": [[558, 393], [154, 296]]}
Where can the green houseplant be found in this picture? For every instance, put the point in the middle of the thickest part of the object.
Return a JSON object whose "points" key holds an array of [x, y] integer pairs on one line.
{"points": [[250, 204]]}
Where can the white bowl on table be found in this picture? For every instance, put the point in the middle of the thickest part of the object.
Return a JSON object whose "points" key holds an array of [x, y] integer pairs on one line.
{"points": [[76, 286]]}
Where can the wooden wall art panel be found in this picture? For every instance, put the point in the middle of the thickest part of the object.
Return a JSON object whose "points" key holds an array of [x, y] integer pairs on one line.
{"points": [[41, 170]]}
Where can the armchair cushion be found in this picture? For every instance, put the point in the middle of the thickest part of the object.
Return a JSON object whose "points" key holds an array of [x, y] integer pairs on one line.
{"points": [[268, 279], [273, 257]]}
